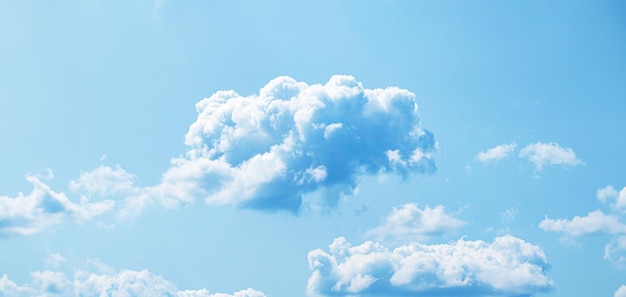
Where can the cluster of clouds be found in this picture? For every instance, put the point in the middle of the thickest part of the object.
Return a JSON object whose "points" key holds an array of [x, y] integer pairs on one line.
{"points": [[539, 153], [104, 281], [598, 222], [507, 266], [263, 151]]}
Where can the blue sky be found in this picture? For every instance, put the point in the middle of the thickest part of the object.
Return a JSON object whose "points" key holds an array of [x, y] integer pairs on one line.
{"points": [[331, 148]]}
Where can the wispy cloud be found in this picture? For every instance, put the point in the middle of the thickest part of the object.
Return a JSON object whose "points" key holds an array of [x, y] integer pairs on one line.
{"points": [[496, 153], [507, 266], [409, 223], [542, 154], [42, 208]]}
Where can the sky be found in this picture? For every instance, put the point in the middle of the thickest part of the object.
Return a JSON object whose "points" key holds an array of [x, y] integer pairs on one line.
{"points": [[321, 148]]}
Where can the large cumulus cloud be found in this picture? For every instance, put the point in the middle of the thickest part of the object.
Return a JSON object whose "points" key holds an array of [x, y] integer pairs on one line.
{"points": [[508, 266], [266, 150]]}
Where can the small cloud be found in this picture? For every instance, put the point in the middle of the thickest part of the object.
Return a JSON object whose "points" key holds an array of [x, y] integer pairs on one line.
{"points": [[509, 214], [55, 260], [468, 169], [609, 192], [542, 154], [595, 222], [409, 223], [496, 153]]}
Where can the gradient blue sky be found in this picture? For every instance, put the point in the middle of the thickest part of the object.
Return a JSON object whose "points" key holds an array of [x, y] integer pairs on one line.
{"points": [[525, 100]]}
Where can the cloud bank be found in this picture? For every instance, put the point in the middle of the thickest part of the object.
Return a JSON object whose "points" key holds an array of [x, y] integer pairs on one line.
{"points": [[507, 266], [409, 223], [105, 282]]}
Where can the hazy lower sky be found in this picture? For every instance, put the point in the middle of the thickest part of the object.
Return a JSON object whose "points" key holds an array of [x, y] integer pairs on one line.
{"points": [[326, 148]]}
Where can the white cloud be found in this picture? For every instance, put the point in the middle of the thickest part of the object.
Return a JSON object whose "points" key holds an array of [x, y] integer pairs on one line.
{"points": [[621, 292], [255, 150], [409, 223], [541, 154], [105, 282], [31, 213], [606, 193], [595, 222], [496, 153], [507, 266], [609, 192]]}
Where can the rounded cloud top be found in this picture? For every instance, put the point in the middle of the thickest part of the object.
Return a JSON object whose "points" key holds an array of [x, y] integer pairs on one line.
{"points": [[265, 151]]}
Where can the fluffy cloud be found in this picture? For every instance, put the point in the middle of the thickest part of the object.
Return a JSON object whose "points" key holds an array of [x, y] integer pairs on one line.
{"points": [[31, 213], [507, 266], [541, 154], [105, 282], [496, 153], [265, 151], [409, 223], [594, 222]]}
